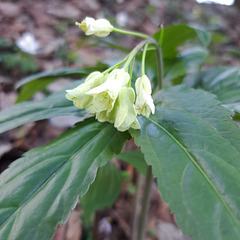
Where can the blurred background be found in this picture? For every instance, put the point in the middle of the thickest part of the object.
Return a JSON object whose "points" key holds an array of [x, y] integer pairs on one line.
{"points": [[41, 35]]}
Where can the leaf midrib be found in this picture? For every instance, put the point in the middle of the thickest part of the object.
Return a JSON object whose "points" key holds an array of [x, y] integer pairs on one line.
{"points": [[204, 122], [200, 169]]}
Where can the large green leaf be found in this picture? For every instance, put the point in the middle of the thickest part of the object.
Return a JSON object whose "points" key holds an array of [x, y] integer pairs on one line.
{"points": [[194, 149], [104, 190], [38, 191], [39, 81], [52, 106], [177, 35]]}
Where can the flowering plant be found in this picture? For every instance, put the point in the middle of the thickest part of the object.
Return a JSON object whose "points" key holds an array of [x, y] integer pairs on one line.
{"points": [[187, 137]]}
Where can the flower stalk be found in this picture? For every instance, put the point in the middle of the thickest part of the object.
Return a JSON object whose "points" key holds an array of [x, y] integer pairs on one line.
{"points": [[132, 33]]}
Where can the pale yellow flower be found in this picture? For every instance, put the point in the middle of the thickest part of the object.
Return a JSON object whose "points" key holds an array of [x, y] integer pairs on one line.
{"points": [[105, 95], [126, 115], [99, 27], [78, 95], [144, 102]]}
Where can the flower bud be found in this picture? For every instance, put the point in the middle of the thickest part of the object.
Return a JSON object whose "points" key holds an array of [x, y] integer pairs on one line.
{"points": [[144, 102], [100, 27]]}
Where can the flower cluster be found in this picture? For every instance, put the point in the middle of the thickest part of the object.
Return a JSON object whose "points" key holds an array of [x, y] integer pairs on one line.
{"points": [[110, 96], [111, 99]]}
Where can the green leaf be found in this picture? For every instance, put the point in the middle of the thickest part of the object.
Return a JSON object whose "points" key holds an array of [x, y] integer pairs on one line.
{"points": [[177, 35], [235, 110], [193, 147], [38, 191], [104, 190], [52, 106], [188, 61], [224, 82], [39, 81], [134, 158]]}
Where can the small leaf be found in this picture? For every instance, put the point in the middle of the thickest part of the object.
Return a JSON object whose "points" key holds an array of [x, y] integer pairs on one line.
{"points": [[177, 35], [38, 191], [52, 106], [134, 158], [104, 191], [193, 147]]}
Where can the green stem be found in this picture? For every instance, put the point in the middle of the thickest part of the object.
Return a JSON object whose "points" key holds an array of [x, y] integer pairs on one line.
{"points": [[136, 206], [116, 65], [145, 205], [143, 59], [133, 53], [131, 71], [149, 177], [132, 33], [160, 67], [159, 62]]}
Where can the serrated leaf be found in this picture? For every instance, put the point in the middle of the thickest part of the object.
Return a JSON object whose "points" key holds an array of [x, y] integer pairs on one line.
{"points": [[104, 191], [38, 190], [177, 35], [52, 106], [224, 82], [134, 158], [194, 150]]}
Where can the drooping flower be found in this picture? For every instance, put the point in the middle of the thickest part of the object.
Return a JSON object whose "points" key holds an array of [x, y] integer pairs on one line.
{"points": [[144, 102], [99, 27], [123, 114], [27, 43], [126, 115], [78, 95], [105, 95]]}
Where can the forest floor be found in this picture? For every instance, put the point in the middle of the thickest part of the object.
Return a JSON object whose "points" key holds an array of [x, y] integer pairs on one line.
{"points": [[62, 44]]}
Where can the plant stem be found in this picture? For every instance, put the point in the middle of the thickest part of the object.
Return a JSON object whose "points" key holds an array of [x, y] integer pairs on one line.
{"points": [[160, 67], [132, 33], [149, 177], [145, 205], [133, 53], [136, 206], [159, 62], [143, 58], [115, 66]]}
